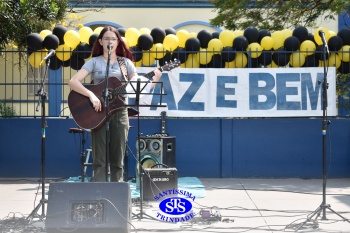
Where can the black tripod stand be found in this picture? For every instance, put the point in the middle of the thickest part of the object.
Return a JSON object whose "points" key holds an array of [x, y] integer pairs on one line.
{"points": [[42, 98], [322, 209], [137, 91]]}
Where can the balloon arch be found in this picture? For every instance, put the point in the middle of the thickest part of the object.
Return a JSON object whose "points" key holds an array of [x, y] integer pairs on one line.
{"points": [[226, 49]]}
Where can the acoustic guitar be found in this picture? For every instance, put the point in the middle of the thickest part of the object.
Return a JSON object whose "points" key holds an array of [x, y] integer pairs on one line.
{"points": [[82, 110]]}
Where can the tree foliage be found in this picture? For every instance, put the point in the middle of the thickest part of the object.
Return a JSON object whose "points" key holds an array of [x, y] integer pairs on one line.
{"points": [[19, 18], [274, 14]]}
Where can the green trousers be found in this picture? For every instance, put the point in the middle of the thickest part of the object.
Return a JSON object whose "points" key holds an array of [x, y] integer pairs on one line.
{"points": [[118, 134]]}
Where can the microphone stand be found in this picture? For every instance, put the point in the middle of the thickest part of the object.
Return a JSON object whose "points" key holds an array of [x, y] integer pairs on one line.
{"points": [[42, 98], [106, 105], [325, 122]]}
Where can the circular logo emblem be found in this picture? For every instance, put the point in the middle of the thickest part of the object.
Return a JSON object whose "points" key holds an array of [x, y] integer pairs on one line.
{"points": [[175, 206]]}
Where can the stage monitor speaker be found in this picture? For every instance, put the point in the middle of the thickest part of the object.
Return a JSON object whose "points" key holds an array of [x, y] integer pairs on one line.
{"points": [[88, 207], [157, 180], [157, 151]]}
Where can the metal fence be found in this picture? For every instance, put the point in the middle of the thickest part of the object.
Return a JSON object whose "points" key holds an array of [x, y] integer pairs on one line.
{"points": [[22, 92]]}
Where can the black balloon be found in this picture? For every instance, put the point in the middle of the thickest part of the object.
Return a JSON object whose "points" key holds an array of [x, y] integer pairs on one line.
{"points": [[93, 38], [228, 54], [291, 44], [335, 43], [55, 63], [170, 31], [145, 41], [311, 61], [265, 58], [121, 31], [311, 37], [192, 45], [204, 36], [252, 34], [76, 62], [83, 50], [158, 35], [344, 34], [180, 54], [344, 67], [263, 33], [240, 43], [253, 62], [215, 35], [167, 58], [51, 42], [281, 57], [320, 53], [59, 31], [216, 62], [34, 41], [136, 53], [301, 33]]}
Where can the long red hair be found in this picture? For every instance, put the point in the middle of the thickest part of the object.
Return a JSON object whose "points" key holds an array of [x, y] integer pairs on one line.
{"points": [[122, 50]]}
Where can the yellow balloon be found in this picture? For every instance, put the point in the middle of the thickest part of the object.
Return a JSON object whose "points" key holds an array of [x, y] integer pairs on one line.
{"points": [[98, 30], [170, 42], [307, 47], [205, 56], [183, 35], [254, 50], [63, 52], [297, 59], [71, 38], [278, 39], [238, 33], [85, 33], [317, 37], [36, 58], [45, 33], [334, 60], [145, 31], [147, 59], [227, 38], [132, 35], [192, 34], [230, 64], [272, 65], [138, 63], [332, 33], [287, 33], [192, 61], [267, 43], [215, 46], [344, 53], [241, 60], [158, 51]]}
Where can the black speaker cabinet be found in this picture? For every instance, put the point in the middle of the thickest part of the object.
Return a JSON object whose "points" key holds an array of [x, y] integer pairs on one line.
{"points": [[88, 207], [157, 180], [157, 150]]}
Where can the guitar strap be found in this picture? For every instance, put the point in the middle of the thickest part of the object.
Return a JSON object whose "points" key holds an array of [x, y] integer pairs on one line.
{"points": [[123, 67]]}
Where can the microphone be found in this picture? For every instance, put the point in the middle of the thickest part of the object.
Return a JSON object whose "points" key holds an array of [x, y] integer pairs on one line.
{"points": [[109, 47], [50, 54], [323, 38]]}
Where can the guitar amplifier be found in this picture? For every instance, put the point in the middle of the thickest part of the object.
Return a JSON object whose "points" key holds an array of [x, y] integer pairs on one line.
{"points": [[157, 180]]}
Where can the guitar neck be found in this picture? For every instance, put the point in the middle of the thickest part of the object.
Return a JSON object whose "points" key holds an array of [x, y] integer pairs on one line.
{"points": [[151, 74]]}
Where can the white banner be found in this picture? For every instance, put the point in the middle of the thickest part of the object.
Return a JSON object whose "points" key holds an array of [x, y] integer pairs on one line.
{"points": [[246, 92]]}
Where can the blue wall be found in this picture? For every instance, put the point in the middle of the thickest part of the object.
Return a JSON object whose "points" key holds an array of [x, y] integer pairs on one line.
{"points": [[212, 148]]}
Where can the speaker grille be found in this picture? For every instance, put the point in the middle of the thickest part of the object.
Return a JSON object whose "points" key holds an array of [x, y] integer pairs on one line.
{"points": [[88, 207]]}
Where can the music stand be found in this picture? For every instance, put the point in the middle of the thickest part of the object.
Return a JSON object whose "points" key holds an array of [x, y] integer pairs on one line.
{"points": [[137, 92], [42, 98], [325, 122]]}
